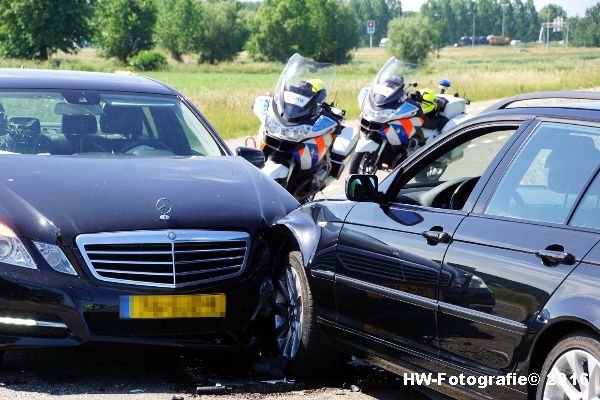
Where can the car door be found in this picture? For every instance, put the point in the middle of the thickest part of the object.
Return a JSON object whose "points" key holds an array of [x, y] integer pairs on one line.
{"points": [[389, 254], [511, 253]]}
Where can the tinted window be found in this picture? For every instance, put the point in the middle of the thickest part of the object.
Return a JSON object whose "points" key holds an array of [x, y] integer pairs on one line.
{"points": [[77, 122], [550, 171], [587, 214], [469, 159]]}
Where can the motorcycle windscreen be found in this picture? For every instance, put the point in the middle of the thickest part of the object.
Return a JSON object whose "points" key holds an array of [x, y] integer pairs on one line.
{"points": [[302, 86], [389, 84]]}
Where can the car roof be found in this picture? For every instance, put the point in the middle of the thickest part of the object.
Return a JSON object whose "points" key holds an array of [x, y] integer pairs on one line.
{"points": [[582, 105], [585, 112], [14, 78]]}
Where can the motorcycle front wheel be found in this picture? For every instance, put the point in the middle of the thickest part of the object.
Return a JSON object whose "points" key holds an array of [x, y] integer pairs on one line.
{"points": [[363, 163]]}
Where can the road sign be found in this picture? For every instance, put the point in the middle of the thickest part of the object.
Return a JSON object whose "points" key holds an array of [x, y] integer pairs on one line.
{"points": [[558, 24], [370, 27]]}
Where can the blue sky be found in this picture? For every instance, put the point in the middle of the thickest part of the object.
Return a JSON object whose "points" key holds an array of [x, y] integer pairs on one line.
{"points": [[573, 7]]}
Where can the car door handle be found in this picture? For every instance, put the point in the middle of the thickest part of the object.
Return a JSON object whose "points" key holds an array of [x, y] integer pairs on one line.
{"points": [[437, 236], [553, 257]]}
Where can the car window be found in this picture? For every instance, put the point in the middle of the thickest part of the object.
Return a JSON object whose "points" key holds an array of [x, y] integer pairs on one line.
{"points": [[447, 180], [75, 122], [587, 214], [548, 174], [468, 159]]}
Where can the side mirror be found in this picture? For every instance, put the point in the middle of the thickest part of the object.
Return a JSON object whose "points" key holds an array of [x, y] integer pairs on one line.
{"points": [[362, 187], [254, 156]]}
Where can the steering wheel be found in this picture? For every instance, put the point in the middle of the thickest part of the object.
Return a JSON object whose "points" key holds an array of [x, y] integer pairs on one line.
{"points": [[461, 193], [156, 144]]}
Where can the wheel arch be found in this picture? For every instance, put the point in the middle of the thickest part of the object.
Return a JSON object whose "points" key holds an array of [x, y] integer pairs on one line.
{"points": [[297, 231], [580, 319]]}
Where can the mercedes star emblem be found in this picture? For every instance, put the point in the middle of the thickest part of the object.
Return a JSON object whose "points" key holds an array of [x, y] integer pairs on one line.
{"points": [[164, 206]]}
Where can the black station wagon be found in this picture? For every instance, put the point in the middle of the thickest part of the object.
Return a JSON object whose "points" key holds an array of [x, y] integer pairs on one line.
{"points": [[479, 256]]}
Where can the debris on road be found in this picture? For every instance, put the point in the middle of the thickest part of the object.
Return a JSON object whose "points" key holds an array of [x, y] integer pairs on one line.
{"points": [[355, 389], [278, 381], [212, 390]]}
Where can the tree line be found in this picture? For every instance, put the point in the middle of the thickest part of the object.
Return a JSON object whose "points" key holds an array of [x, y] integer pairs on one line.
{"points": [[213, 30], [217, 30]]}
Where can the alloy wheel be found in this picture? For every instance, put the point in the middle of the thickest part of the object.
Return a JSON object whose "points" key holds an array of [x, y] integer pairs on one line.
{"points": [[575, 375], [288, 313]]}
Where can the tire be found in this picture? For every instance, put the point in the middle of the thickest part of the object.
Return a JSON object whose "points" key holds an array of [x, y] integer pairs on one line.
{"points": [[356, 164], [311, 356], [579, 349]]}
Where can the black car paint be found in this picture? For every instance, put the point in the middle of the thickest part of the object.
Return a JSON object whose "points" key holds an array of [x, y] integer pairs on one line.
{"points": [[397, 329], [82, 194], [53, 199]]}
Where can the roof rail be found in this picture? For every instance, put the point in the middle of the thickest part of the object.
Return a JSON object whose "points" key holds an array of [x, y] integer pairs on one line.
{"points": [[569, 94]]}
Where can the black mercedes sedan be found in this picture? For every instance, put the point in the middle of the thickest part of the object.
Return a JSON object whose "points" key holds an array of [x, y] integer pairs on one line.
{"points": [[125, 218], [474, 267]]}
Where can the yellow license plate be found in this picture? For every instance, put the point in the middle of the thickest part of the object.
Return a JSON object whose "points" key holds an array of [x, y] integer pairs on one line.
{"points": [[182, 306]]}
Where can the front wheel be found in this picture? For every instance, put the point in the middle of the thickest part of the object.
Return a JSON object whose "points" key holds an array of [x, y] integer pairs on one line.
{"points": [[298, 339], [572, 369], [364, 163]]}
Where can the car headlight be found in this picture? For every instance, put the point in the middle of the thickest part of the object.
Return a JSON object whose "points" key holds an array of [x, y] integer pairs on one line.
{"points": [[55, 257], [294, 133], [12, 250]]}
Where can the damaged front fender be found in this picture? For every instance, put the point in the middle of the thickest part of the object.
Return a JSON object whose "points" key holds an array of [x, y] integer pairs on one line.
{"points": [[313, 228]]}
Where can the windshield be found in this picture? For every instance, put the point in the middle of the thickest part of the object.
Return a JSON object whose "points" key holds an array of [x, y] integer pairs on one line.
{"points": [[302, 86], [111, 123], [391, 80]]}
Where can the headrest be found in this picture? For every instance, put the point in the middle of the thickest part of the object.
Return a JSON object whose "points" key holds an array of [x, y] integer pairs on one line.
{"points": [[567, 163], [24, 128], [125, 120], [79, 124]]}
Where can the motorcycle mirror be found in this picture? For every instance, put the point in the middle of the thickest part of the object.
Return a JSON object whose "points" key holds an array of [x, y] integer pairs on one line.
{"points": [[362, 187], [254, 156]]}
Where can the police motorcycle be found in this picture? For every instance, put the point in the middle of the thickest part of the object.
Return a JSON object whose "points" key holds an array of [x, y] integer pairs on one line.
{"points": [[302, 135], [396, 120]]}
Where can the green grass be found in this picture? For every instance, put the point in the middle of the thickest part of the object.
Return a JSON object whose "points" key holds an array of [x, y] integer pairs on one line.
{"points": [[225, 92]]}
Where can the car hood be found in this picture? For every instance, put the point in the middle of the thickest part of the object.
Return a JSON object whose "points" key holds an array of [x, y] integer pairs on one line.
{"points": [[43, 196]]}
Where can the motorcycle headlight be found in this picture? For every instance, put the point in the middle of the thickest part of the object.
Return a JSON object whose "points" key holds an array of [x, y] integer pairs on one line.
{"points": [[12, 250], [376, 115], [55, 257], [295, 133]]}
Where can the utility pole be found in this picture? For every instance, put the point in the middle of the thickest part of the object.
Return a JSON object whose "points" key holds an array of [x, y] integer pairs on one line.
{"points": [[548, 31], [504, 7], [437, 18], [473, 37]]}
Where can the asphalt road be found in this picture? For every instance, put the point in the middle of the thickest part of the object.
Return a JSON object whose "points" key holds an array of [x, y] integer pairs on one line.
{"points": [[142, 373]]}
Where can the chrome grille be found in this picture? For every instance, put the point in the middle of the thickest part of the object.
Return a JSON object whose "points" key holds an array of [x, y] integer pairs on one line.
{"points": [[170, 259]]}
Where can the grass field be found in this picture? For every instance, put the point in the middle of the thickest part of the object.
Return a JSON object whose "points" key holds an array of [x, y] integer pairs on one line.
{"points": [[225, 92]]}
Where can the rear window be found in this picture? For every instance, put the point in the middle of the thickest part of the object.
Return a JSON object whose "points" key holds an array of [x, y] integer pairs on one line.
{"points": [[78, 122], [548, 175], [587, 214]]}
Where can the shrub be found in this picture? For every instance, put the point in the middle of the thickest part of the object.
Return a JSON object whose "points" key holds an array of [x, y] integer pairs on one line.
{"points": [[325, 30], [223, 31], [178, 26], [149, 60], [409, 41], [40, 28], [126, 27]]}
